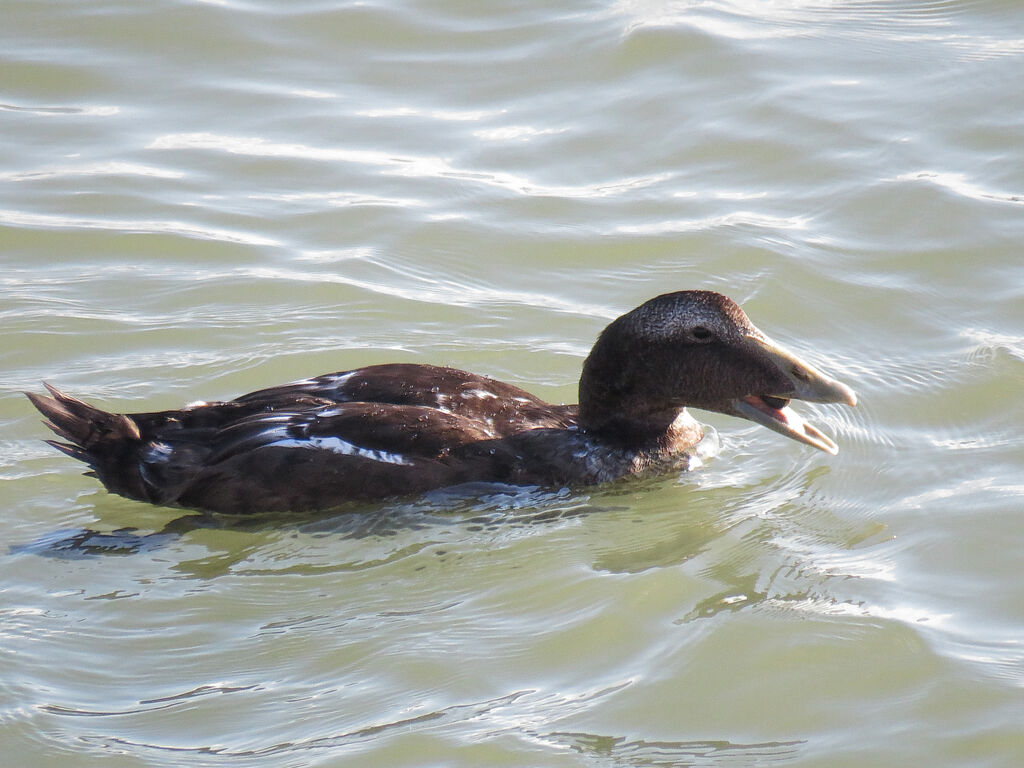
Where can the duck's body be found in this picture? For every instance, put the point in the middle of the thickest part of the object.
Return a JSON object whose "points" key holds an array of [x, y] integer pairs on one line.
{"points": [[395, 430]]}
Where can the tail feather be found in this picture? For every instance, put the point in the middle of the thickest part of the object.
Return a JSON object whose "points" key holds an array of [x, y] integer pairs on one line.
{"points": [[106, 442], [80, 423], [69, 450]]}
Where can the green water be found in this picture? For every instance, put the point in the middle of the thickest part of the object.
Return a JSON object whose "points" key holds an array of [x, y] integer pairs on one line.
{"points": [[199, 199]]}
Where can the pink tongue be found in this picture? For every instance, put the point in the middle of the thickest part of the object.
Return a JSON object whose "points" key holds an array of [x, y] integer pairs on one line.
{"points": [[779, 414]]}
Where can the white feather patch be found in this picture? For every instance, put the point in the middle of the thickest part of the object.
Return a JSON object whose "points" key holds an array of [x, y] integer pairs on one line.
{"points": [[343, 447]]}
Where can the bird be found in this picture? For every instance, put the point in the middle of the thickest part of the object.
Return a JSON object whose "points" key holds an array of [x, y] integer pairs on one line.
{"points": [[403, 429]]}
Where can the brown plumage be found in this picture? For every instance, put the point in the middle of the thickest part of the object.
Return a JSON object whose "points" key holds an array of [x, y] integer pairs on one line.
{"points": [[400, 429]]}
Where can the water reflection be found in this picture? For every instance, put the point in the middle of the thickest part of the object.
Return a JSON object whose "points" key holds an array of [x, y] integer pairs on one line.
{"points": [[469, 509], [622, 751]]}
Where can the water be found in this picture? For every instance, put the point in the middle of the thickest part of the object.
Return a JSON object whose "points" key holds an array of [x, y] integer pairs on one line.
{"points": [[201, 199]]}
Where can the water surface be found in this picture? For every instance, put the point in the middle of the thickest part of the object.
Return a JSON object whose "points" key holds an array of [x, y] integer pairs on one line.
{"points": [[199, 199]]}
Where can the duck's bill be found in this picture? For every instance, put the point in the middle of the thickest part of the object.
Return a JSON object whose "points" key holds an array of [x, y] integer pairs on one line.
{"points": [[807, 383], [783, 420]]}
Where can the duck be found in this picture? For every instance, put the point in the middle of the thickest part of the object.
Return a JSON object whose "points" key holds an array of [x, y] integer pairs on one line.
{"points": [[404, 429]]}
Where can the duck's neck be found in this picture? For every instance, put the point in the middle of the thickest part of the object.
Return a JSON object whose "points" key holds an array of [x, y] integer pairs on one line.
{"points": [[621, 416], [665, 432], [620, 403]]}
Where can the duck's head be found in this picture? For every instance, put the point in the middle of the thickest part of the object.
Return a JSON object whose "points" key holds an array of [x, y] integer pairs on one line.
{"points": [[697, 349]]}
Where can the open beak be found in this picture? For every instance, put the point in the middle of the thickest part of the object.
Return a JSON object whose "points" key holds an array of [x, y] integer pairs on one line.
{"points": [[804, 382]]}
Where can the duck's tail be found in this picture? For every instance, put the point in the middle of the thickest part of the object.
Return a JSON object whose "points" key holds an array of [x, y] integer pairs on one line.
{"points": [[97, 438]]}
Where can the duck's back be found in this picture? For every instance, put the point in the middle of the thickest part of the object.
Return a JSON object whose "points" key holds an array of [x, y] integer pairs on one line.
{"points": [[494, 406], [374, 432]]}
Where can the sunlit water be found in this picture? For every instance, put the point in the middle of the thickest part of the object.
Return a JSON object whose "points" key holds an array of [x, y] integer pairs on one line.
{"points": [[201, 199]]}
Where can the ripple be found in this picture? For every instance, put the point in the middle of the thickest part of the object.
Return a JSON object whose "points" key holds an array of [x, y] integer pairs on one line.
{"points": [[516, 133], [958, 184], [990, 345], [413, 166], [478, 712], [875, 22], [180, 228], [432, 114], [147, 705], [91, 111], [737, 219], [337, 199], [425, 288], [91, 169], [622, 751], [722, 20]]}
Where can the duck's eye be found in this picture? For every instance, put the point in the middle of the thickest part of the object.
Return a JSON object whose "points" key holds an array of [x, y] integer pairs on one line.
{"points": [[700, 333]]}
